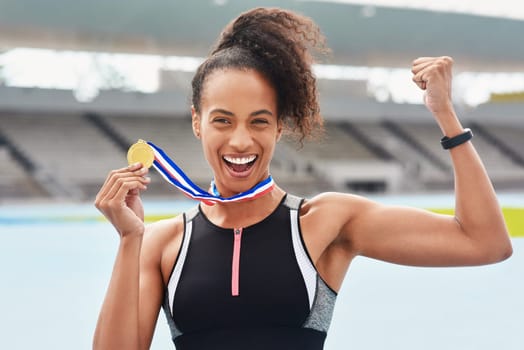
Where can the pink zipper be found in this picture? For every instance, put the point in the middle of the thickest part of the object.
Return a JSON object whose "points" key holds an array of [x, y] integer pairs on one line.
{"points": [[235, 268]]}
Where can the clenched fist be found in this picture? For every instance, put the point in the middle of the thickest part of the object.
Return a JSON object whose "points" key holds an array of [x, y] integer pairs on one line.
{"points": [[434, 75]]}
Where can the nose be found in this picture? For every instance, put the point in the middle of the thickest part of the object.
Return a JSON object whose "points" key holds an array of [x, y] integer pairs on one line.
{"points": [[240, 138]]}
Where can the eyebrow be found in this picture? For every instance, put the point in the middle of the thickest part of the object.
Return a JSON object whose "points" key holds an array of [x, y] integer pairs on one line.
{"points": [[262, 111], [221, 111], [226, 112]]}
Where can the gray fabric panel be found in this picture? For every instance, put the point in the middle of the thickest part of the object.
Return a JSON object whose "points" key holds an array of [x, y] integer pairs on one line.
{"points": [[292, 201], [191, 213], [322, 311]]}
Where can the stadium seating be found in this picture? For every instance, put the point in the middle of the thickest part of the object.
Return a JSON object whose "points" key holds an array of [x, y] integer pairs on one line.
{"points": [[71, 155]]}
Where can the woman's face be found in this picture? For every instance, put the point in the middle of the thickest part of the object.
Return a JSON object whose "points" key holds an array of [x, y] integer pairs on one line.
{"points": [[238, 126]]}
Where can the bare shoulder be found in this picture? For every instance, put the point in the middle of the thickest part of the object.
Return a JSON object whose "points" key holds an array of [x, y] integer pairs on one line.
{"points": [[337, 215], [330, 213], [341, 206], [164, 230], [324, 220], [161, 243]]}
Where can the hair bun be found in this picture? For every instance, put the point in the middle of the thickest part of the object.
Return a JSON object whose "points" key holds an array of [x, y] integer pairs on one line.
{"points": [[272, 28]]}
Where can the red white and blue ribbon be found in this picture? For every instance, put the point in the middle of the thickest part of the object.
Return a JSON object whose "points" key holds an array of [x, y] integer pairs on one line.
{"points": [[175, 176]]}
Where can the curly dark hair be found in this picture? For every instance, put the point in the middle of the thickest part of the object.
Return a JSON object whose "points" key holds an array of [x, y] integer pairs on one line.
{"points": [[279, 44]]}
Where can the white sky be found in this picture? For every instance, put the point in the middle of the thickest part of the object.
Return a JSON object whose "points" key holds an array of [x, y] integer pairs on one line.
{"points": [[494, 8], [88, 73]]}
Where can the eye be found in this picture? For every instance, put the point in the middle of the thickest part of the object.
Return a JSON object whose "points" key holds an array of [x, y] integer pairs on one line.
{"points": [[221, 120], [260, 121]]}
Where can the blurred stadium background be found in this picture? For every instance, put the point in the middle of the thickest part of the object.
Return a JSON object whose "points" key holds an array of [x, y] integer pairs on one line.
{"points": [[82, 80]]}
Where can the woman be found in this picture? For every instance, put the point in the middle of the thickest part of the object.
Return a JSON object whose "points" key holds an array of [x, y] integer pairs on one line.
{"points": [[263, 273]]}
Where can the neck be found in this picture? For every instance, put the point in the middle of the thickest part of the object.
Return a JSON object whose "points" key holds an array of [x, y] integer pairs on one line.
{"points": [[264, 186], [243, 213]]}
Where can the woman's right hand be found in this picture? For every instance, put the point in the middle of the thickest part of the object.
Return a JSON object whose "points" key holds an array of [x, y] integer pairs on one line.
{"points": [[119, 199]]}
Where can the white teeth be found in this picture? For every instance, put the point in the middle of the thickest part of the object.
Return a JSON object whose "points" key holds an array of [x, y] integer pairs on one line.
{"points": [[240, 160]]}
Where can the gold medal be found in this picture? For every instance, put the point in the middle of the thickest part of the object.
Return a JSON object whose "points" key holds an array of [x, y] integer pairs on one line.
{"points": [[141, 152]]}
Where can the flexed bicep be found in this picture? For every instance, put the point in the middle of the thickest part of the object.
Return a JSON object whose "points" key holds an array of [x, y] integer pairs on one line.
{"points": [[413, 236]]}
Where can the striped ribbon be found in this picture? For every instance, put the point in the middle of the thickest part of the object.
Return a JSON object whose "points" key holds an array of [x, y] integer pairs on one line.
{"points": [[175, 176]]}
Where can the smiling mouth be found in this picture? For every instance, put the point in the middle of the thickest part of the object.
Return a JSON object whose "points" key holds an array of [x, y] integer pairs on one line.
{"points": [[240, 164]]}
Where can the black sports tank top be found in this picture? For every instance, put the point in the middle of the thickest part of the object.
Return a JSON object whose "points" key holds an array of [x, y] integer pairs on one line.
{"points": [[247, 288]]}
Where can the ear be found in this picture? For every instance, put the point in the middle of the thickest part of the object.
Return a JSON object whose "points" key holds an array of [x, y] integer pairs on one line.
{"points": [[280, 129], [195, 122]]}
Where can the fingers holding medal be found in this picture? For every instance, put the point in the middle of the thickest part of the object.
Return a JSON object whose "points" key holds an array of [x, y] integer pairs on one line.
{"points": [[123, 183], [140, 157]]}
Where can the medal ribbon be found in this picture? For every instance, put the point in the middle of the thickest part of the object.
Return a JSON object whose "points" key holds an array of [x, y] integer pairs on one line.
{"points": [[175, 176]]}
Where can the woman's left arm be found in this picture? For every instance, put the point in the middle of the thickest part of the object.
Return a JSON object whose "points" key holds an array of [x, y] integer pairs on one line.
{"points": [[477, 234]]}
